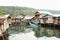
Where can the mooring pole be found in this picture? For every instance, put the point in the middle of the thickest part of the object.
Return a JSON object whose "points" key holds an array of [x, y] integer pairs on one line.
{"points": [[1, 32], [54, 20]]}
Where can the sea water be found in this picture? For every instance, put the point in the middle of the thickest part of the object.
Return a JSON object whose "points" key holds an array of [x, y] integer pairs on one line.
{"points": [[30, 36], [42, 34]]}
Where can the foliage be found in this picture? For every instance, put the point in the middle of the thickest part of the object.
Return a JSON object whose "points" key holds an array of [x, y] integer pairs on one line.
{"points": [[13, 11], [17, 10], [2, 13]]}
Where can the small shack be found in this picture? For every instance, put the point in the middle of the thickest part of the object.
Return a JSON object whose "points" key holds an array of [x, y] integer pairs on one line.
{"points": [[4, 25], [46, 17], [56, 17]]}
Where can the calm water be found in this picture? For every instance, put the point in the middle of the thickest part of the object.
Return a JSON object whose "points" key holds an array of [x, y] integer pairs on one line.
{"points": [[48, 32]]}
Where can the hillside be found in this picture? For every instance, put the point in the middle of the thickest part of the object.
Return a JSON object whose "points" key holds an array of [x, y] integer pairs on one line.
{"points": [[22, 10], [16, 10]]}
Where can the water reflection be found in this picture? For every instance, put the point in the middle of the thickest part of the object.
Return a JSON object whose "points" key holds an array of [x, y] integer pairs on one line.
{"points": [[38, 32], [47, 32]]}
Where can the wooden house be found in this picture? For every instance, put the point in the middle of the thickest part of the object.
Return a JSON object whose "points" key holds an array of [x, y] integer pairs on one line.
{"points": [[56, 18], [46, 17], [4, 25], [50, 19]]}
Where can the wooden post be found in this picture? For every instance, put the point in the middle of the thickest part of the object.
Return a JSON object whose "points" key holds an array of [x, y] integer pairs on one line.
{"points": [[54, 21], [44, 20], [1, 31], [39, 25], [15, 24]]}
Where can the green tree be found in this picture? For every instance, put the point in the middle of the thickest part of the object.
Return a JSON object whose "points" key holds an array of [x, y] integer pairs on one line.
{"points": [[2, 13]]}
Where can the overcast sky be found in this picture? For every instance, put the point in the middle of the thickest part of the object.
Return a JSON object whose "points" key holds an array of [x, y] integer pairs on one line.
{"points": [[38, 4]]}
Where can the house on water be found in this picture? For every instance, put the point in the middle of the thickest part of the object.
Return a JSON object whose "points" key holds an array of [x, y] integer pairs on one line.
{"points": [[49, 18], [4, 25], [46, 17]]}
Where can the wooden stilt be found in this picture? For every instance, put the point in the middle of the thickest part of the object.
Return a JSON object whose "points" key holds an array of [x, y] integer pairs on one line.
{"points": [[54, 30], [54, 20]]}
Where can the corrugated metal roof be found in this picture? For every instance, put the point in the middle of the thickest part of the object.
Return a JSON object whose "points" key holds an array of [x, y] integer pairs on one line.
{"points": [[49, 13], [28, 17], [3, 16], [56, 15], [45, 12]]}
